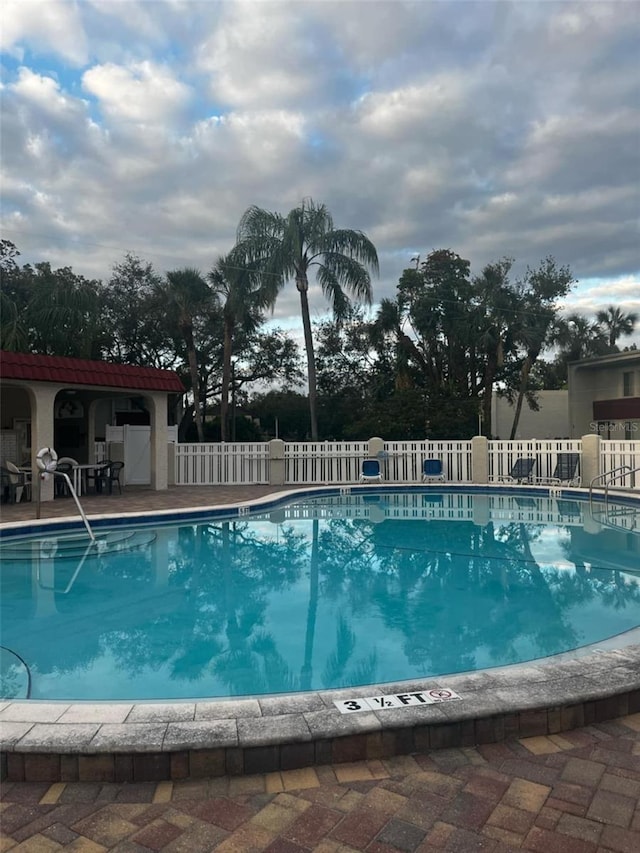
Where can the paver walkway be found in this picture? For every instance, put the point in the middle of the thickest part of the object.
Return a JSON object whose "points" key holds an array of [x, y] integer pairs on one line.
{"points": [[578, 792]]}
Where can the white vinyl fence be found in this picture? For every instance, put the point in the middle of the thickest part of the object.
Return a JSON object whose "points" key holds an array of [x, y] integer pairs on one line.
{"points": [[504, 454], [615, 454], [216, 464], [317, 462], [339, 462]]}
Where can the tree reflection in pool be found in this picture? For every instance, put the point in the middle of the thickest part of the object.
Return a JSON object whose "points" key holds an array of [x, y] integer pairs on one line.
{"points": [[323, 593]]}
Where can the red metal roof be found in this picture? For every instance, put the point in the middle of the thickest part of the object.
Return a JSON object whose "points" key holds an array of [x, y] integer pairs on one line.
{"points": [[78, 371]]}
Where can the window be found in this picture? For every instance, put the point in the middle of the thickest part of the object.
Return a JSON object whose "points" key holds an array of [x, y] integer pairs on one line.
{"points": [[627, 384]]}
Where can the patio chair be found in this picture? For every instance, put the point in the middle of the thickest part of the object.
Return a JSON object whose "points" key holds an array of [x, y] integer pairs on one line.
{"points": [[521, 471], [432, 470], [60, 488], [67, 460], [566, 472], [7, 487], [98, 475], [21, 480], [370, 471], [106, 476]]}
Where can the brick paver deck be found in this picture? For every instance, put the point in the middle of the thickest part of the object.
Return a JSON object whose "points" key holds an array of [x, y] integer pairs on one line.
{"points": [[578, 792]]}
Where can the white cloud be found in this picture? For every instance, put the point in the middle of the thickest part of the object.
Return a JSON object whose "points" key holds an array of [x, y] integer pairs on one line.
{"points": [[143, 93], [46, 27], [45, 95]]}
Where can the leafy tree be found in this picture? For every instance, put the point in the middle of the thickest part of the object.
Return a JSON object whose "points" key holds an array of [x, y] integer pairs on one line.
{"points": [[537, 319], [289, 247], [431, 324], [13, 334], [238, 287], [282, 412], [136, 318], [53, 312], [185, 293], [492, 330]]}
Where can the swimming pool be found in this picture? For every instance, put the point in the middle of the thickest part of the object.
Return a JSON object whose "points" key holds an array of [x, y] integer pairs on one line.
{"points": [[327, 592]]}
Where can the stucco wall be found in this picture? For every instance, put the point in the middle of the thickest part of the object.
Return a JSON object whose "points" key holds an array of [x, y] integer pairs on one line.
{"points": [[551, 421]]}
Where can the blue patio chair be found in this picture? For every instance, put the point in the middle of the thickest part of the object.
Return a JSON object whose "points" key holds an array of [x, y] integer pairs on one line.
{"points": [[432, 470], [370, 471], [521, 472]]}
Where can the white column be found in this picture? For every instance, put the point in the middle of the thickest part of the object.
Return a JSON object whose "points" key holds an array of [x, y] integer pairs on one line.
{"points": [[590, 459], [376, 446], [42, 397], [276, 462], [479, 459], [159, 441]]}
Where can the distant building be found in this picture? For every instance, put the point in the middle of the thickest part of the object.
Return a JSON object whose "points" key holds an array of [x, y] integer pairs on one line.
{"points": [[550, 421], [604, 396]]}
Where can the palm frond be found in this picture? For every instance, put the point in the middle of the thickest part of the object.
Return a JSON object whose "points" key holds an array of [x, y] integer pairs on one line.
{"points": [[349, 273]]}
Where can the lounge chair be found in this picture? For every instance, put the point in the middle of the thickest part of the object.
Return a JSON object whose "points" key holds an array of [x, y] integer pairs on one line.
{"points": [[566, 472], [521, 472], [432, 470], [370, 471]]}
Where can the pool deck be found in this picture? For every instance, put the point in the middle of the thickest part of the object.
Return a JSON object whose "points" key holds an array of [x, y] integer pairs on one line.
{"points": [[154, 741]]}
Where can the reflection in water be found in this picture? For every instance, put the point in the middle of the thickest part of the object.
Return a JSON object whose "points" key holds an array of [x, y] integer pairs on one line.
{"points": [[336, 593]]}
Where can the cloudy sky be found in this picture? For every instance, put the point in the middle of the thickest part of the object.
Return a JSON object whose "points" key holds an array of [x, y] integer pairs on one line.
{"points": [[494, 129]]}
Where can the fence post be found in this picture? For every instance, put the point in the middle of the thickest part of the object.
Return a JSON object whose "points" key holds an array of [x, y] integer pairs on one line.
{"points": [[590, 461], [276, 462], [376, 446], [171, 463], [479, 459]]}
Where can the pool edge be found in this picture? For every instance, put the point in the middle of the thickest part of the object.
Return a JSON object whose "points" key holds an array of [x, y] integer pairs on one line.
{"points": [[96, 743]]}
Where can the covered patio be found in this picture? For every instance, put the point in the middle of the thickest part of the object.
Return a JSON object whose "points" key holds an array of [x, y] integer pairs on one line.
{"points": [[66, 404]]}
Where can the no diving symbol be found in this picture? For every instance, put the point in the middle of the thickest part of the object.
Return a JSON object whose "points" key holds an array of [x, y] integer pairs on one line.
{"points": [[440, 695]]}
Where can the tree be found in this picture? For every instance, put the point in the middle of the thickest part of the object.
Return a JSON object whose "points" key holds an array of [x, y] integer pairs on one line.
{"points": [[238, 287], [616, 324], [434, 324], [13, 334], [138, 320], [184, 294], [53, 312], [288, 247], [493, 339], [537, 315]]}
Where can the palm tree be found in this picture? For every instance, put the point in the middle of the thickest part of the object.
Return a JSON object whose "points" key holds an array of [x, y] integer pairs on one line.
{"points": [[237, 285], [288, 247], [184, 294], [616, 324], [580, 338]]}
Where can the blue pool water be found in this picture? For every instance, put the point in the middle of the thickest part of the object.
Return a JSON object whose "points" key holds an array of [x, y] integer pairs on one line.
{"points": [[328, 592]]}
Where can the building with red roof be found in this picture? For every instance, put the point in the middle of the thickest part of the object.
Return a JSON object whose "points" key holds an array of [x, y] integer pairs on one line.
{"points": [[64, 403]]}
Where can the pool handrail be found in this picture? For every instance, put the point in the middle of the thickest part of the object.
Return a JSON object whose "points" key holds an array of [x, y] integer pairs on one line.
{"points": [[626, 468]]}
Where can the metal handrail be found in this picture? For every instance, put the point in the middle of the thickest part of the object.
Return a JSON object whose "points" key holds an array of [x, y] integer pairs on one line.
{"points": [[626, 468], [75, 497]]}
